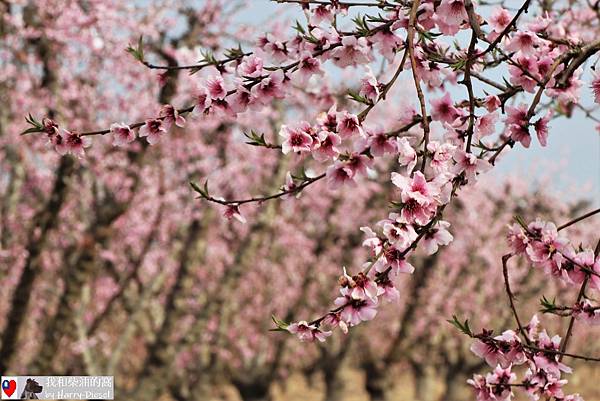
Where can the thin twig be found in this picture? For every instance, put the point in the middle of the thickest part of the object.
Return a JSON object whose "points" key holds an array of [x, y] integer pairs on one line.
{"points": [[259, 199], [578, 219], [413, 63], [467, 82], [505, 260], [505, 31]]}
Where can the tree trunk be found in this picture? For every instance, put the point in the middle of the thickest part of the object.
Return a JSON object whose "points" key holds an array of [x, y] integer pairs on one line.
{"points": [[376, 383], [424, 384], [454, 386], [334, 386], [254, 391], [162, 351], [45, 221]]}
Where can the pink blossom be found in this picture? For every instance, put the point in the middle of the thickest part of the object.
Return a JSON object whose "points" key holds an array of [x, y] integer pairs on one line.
{"points": [[296, 139], [203, 101], [407, 156], [348, 125], [121, 134], [443, 109], [548, 243], [540, 23], [334, 320], [486, 124], [398, 232], [290, 186], [308, 332], [469, 164], [541, 128], [302, 330], [438, 235], [492, 103], [489, 350], [359, 286], [483, 392], [270, 87], [561, 265], [452, 12], [500, 381], [394, 259], [307, 67], [554, 387], [548, 362], [233, 212], [495, 386], [72, 142], [387, 43], [524, 71], [523, 41], [328, 120], [372, 241], [216, 87], [570, 92], [503, 350], [356, 310], [321, 13], [59, 144], [325, 38], [532, 327], [596, 88], [587, 312], [339, 174], [595, 278], [585, 259], [514, 354], [50, 127], [328, 143], [387, 290], [517, 239], [518, 124], [241, 100], [418, 197], [221, 108], [153, 130], [499, 19], [369, 87], [358, 163], [251, 67], [446, 26], [273, 47], [170, 115], [353, 51], [441, 154], [55, 138]]}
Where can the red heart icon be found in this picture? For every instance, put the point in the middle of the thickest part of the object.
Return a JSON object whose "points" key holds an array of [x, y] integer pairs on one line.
{"points": [[9, 387]]}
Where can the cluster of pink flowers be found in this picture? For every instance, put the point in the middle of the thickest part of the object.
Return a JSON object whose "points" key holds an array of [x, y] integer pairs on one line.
{"points": [[415, 220], [540, 354], [544, 247], [65, 141], [153, 129], [72, 142]]}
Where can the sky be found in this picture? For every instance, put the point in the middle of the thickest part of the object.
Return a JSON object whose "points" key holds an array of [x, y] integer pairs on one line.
{"points": [[569, 164]]}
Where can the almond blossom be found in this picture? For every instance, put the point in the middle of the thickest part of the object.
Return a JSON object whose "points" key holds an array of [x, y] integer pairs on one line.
{"points": [[122, 134], [297, 139], [153, 130]]}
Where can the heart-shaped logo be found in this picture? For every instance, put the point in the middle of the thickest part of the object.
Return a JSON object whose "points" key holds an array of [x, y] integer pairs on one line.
{"points": [[9, 387]]}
